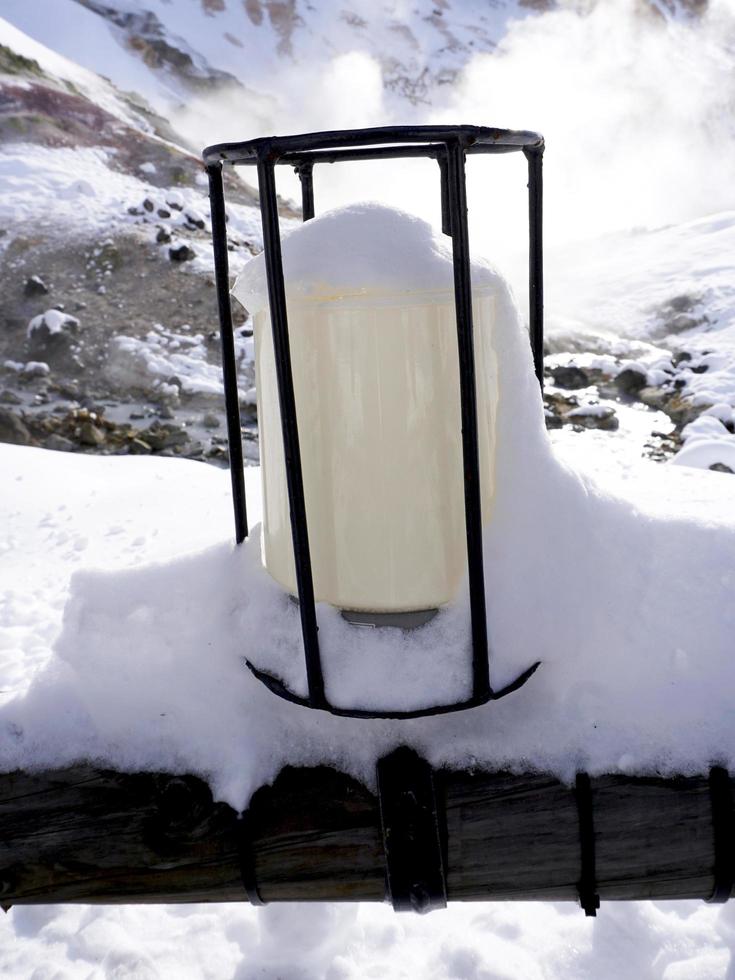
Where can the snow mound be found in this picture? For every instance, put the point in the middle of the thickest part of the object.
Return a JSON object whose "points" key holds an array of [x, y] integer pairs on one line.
{"points": [[358, 250], [628, 609]]}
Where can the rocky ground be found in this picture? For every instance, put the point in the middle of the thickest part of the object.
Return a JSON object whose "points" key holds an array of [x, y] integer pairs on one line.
{"points": [[108, 327]]}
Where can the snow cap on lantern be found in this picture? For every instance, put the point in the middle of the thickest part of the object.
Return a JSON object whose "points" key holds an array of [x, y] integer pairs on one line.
{"points": [[375, 366]]}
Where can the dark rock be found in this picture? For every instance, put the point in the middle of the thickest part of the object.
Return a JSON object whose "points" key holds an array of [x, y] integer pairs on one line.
{"points": [[8, 397], [135, 211], [13, 429], [35, 286], [210, 421], [181, 253], [680, 356], [194, 219], [59, 443], [553, 421], [51, 327], [570, 376], [139, 447], [595, 417], [148, 204], [163, 237], [700, 368], [165, 437], [163, 213], [630, 381], [90, 435], [721, 468]]}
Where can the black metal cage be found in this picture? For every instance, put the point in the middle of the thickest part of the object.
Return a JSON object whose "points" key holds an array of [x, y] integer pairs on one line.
{"points": [[448, 145]]}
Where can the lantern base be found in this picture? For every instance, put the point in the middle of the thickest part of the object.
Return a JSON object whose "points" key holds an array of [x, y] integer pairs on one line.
{"points": [[278, 687], [398, 620]]}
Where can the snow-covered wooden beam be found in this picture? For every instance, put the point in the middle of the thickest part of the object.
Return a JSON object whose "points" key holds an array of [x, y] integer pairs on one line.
{"points": [[87, 835]]}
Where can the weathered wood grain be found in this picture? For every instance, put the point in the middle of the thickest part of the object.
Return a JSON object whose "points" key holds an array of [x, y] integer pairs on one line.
{"points": [[86, 835]]}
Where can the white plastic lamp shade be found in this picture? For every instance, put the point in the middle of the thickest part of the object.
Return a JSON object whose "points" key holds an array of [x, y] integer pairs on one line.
{"points": [[375, 367]]}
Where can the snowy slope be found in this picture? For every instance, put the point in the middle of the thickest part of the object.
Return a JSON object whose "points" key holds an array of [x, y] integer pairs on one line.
{"points": [[252, 41]]}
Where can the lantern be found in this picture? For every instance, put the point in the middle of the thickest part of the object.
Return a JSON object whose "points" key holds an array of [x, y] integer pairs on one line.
{"points": [[387, 428]]}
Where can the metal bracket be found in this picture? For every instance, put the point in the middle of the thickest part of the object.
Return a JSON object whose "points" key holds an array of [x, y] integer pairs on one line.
{"points": [[723, 826], [587, 884], [247, 860], [413, 833]]}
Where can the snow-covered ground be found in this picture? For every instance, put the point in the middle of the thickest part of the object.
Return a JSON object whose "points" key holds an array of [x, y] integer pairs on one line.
{"points": [[637, 940], [635, 626]]}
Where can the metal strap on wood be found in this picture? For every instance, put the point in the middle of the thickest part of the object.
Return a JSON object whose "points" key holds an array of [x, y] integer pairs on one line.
{"points": [[723, 832], [587, 884], [413, 833]]}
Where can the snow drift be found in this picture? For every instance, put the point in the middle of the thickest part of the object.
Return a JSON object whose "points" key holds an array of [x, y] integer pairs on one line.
{"points": [[629, 611]]}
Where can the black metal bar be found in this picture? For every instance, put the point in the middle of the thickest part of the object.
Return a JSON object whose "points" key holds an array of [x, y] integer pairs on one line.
{"points": [[723, 832], [229, 368], [472, 136], [305, 173], [446, 212], [587, 884], [289, 426], [296, 158], [424, 151], [535, 156], [413, 838], [468, 400], [247, 860]]}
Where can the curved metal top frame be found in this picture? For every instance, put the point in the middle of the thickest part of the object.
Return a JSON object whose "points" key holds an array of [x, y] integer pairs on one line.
{"points": [[448, 146], [372, 143]]}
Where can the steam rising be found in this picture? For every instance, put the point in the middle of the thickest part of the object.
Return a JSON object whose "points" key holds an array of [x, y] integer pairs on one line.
{"points": [[638, 112]]}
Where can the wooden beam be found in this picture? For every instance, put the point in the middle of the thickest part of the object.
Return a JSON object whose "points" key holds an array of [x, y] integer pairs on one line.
{"points": [[87, 835]]}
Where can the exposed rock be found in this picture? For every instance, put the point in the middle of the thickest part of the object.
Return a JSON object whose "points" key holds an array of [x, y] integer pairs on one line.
{"points": [[8, 397], [161, 437], [13, 429], [721, 468], [181, 253], [175, 200], [630, 380], [210, 421], [194, 218], [139, 447], [594, 417], [680, 410], [570, 376], [90, 435], [35, 286], [163, 237], [59, 443], [51, 323], [653, 397]]}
